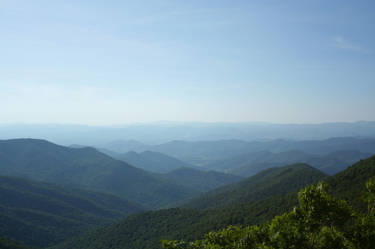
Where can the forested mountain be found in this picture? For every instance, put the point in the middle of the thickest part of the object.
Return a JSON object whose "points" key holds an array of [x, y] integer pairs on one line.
{"points": [[268, 183], [252, 163], [319, 221], [86, 167], [346, 184], [147, 229], [201, 180], [43, 214], [11, 244], [152, 161]]}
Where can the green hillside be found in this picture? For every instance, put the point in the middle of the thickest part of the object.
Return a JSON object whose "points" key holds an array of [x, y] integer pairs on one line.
{"points": [[268, 183], [145, 230], [11, 244], [43, 214], [346, 185], [319, 221], [86, 167]]}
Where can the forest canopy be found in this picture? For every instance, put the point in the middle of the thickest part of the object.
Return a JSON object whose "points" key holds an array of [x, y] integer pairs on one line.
{"points": [[320, 221]]}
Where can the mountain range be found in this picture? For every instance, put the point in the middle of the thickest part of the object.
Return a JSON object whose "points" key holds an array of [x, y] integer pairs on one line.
{"points": [[77, 191], [145, 230], [150, 161], [252, 163], [203, 153], [162, 132], [87, 168], [43, 214]]}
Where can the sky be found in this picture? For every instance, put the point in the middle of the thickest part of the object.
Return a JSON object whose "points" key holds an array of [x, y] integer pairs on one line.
{"points": [[117, 62]]}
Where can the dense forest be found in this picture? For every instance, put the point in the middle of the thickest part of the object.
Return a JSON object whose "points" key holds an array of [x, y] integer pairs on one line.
{"points": [[43, 214], [319, 221], [146, 230], [71, 213]]}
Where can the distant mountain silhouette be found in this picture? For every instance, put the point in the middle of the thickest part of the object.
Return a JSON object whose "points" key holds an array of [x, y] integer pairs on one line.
{"points": [[204, 153], [162, 132], [252, 163]]}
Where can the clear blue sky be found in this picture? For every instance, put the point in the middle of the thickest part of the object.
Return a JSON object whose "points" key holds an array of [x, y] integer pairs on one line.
{"points": [[112, 62]]}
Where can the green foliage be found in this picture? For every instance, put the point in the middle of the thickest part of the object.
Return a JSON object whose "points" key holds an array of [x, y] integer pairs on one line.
{"points": [[320, 221], [146, 230]]}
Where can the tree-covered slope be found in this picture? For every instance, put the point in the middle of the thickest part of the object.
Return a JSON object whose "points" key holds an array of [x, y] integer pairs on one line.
{"points": [[346, 184], [43, 214], [86, 167], [11, 244], [319, 221], [268, 183], [201, 180], [146, 230]]}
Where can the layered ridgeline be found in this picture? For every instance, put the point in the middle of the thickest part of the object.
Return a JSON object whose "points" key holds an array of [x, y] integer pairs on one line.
{"points": [[251, 163], [88, 168], [150, 161], [147, 229], [204, 153], [42, 214], [319, 221]]}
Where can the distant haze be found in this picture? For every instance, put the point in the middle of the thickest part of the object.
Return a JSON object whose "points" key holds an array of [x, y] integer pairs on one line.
{"points": [[155, 133]]}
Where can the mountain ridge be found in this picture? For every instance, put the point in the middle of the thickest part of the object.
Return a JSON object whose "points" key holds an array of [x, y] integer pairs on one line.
{"points": [[47, 213], [87, 168]]}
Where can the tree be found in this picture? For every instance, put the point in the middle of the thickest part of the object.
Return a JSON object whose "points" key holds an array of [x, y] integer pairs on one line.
{"points": [[319, 222]]}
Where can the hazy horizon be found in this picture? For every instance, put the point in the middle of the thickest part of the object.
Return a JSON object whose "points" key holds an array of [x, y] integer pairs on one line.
{"points": [[162, 132]]}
